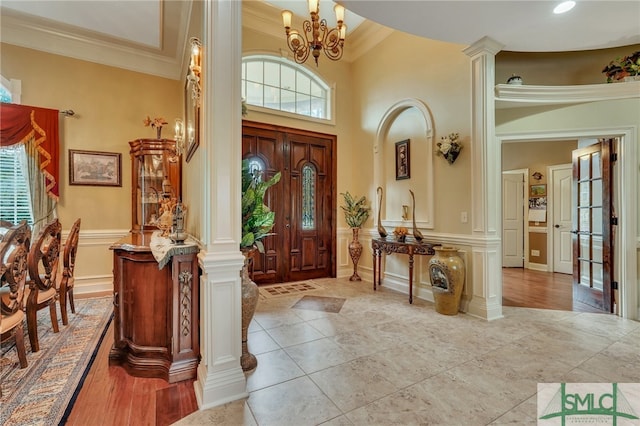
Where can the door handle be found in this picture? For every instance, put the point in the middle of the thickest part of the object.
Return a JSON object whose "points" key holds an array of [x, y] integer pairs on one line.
{"points": [[556, 226], [574, 232], [287, 226]]}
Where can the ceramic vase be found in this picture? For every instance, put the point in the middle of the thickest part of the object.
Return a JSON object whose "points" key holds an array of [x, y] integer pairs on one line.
{"points": [[250, 294], [355, 250], [446, 272]]}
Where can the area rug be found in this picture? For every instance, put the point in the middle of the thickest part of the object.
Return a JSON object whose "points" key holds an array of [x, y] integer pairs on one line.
{"points": [[320, 303], [42, 392], [288, 289]]}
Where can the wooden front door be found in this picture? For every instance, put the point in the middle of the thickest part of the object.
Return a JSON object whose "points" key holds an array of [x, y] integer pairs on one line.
{"points": [[593, 222], [303, 244]]}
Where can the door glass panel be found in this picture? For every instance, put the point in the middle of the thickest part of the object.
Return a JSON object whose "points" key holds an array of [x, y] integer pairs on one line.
{"points": [[596, 224], [585, 273], [595, 165], [583, 189], [584, 224], [584, 247], [596, 192], [596, 253], [584, 167], [597, 277], [308, 197]]}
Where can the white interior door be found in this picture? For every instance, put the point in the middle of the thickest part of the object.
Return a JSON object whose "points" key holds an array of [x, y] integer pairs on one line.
{"points": [[562, 179], [513, 219]]}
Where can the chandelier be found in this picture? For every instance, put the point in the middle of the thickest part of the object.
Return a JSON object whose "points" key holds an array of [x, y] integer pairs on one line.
{"points": [[316, 36]]}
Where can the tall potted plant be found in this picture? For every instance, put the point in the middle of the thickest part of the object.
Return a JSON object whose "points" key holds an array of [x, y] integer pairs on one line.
{"points": [[257, 223], [356, 213]]}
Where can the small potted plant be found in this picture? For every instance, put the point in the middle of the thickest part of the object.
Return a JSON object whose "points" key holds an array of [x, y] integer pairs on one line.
{"points": [[623, 67], [356, 213]]}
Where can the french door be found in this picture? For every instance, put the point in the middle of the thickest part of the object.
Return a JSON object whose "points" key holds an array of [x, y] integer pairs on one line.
{"points": [[594, 224], [302, 246]]}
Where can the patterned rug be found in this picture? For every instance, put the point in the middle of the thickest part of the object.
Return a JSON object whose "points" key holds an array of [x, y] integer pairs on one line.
{"points": [[288, 289], [42, 392]]}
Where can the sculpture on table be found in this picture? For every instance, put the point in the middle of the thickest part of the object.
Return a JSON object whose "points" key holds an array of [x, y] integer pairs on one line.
{"points": [[416, 232], [178, 235], [381, 230]]}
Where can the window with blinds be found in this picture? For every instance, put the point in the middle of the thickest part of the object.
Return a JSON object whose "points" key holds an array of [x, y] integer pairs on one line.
{"points": [[15, 200]]}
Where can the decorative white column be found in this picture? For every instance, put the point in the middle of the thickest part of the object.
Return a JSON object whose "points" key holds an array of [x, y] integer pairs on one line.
{"points": [[486, 256], [220, 377]]}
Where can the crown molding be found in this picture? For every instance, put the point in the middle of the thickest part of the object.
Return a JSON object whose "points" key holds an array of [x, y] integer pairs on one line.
{"points": [[38, 34], [509, 95]]}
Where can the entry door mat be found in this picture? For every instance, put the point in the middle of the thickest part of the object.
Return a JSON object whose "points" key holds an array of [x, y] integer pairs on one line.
{"points": [[320, 303], [288, 289]]}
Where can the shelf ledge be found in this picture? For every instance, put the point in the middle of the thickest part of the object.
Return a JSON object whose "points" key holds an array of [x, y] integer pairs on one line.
{"points": [[510, 95]]}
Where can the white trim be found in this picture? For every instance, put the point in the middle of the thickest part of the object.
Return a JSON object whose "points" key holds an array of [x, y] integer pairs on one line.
{"points": [[538, 267], [625, 172], [509, 95]]}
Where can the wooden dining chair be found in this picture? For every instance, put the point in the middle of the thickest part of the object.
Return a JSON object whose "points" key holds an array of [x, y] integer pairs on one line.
{"points": [[66, 279], [14, 249], [43, 263]]}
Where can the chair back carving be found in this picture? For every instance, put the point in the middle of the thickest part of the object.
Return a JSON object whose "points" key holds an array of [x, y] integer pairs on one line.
{"points": [[70, 249], [14, 250], [44, 257]]}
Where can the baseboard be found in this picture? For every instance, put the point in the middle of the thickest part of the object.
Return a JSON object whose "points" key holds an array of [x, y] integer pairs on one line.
{"points": [[93, 286], [538, 267]]}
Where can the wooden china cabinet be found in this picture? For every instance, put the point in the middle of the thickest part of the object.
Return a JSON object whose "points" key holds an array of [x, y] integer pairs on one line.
{"points": [[156, 302]]}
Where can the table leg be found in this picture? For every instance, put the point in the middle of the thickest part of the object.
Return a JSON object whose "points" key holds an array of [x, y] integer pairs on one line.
{"points": [[375, 267], [410, 278]]}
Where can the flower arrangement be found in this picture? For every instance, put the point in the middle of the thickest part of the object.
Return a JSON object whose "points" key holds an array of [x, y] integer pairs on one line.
{"points": [[156, 123], [356, 212], [622, 67], [401, 233], [449, 147]]}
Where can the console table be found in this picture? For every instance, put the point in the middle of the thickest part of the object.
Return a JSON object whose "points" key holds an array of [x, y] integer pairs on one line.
{"points": [[390, 245], [156, 307]]}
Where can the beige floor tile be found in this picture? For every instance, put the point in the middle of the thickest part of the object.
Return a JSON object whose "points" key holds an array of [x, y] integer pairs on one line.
{"points": [[294, 334], [260, 342], [234, 413], [296, 402], [319, 354], [273, 368]]}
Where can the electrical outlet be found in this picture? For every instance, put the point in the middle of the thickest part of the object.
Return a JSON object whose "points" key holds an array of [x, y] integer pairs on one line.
{"points": [[535, 253], [463, 217]]}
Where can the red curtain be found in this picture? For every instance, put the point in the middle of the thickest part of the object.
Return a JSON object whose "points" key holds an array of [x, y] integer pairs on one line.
{"points": [[23, 123]]}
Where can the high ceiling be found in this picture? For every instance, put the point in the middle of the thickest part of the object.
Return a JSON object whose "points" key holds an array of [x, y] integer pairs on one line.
{"points": [[150, 35]]}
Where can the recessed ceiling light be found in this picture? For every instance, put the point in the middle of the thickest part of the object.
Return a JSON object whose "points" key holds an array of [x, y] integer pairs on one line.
{"points": [[563, 7]]}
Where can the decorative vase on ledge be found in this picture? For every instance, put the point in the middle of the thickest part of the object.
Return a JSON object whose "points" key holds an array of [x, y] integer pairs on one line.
{"points": [[250, 296]]}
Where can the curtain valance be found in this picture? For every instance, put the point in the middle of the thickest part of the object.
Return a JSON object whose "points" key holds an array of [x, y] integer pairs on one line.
{"points": [[38, 129]]}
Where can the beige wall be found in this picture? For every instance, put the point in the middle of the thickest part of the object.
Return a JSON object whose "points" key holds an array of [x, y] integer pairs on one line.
{"points": [[558, 68], [110, 104]]}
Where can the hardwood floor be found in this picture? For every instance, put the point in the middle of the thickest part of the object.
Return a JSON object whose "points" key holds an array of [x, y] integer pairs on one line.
{"points": [[545, 290], [110, 396]]}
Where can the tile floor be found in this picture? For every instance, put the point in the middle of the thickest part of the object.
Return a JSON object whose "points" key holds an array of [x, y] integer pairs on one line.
{"points": [[381, 361]]}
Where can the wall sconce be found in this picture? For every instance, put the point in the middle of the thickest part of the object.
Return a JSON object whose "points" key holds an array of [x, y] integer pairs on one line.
{"points": [[195, 69], [179, 137]]}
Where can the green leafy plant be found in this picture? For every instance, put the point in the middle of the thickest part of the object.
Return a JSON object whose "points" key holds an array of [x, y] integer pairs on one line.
{"points": [[257, 218], [622, 67], [356, 212]]}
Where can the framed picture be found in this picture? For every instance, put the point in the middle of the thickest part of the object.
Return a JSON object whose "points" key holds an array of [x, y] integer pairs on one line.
{"points": [[403, 163], [538, 190], [191, 115], [95, 168]]}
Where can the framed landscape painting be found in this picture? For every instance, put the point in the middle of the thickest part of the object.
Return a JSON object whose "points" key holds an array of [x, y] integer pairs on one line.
{"points": [[95, 168]]}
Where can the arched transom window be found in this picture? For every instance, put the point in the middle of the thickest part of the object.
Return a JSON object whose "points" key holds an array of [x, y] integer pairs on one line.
{"points": [[277, 83]]}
